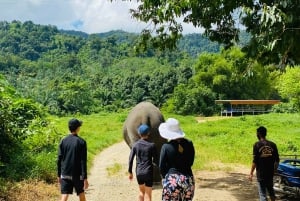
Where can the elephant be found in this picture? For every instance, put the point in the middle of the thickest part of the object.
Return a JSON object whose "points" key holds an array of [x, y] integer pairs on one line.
{"points": [[144, 113]]}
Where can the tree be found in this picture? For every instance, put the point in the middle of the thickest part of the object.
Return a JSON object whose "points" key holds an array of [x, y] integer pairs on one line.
{"points": [[74, 97], [16, 116], [274, 25], [289, 86], [226, 75], [191, 99]]}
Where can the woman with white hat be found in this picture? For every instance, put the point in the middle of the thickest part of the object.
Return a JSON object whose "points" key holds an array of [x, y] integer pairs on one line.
{"points": [[176, 160]]}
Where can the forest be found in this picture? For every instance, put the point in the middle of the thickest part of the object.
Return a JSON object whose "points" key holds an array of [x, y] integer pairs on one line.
{"points": [[46, 71], [70, 72]]}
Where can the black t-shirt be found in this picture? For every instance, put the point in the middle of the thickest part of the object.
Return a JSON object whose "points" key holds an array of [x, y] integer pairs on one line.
{"points": [[177, 156], [265, 154], [146, 155], [72, 157]]}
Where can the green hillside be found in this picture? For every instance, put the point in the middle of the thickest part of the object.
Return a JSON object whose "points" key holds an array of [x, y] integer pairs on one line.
{"points": [[71, 72], [48, 65]]}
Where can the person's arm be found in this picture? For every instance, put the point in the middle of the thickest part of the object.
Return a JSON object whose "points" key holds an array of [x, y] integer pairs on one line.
{"points": [[252, 171], [130, 163], [155, 155], [254, 161], [84, 161], [59, 158], [192, 154], [277, 159], [86, 184], [162, 161], [84, 166]]}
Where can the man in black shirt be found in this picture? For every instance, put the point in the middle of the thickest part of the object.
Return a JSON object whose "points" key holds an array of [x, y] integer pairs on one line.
{"points": [[72, 163], [265, 161]]}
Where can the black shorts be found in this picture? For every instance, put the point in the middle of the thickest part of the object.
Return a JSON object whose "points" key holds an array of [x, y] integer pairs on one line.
{"points": [[67, 186], [145, 179]]}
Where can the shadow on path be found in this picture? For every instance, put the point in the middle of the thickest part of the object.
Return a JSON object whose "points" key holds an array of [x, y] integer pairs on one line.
{"points": [[237, 184]]}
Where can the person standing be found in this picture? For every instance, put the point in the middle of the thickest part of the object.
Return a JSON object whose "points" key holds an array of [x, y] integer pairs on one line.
{"points": [[175, 164], [72, 163], [146, 155], [265, 161]]}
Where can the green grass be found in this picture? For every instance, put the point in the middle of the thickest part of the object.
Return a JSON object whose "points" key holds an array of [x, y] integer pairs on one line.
{"points": [[230, 140], [225, 141], [114, 169]]}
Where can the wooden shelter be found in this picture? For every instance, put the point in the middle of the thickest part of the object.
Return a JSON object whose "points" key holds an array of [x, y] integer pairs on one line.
{"points": [[241, 107]]}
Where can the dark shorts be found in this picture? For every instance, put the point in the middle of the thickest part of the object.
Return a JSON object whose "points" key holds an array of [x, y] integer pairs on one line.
{"points": [[68, 185], [145, 179]]}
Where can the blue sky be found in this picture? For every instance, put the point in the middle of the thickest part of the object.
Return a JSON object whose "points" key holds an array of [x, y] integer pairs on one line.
{"points": [[90, 16]]}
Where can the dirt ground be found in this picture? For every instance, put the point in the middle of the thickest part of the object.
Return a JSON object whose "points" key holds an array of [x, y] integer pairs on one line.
{"points": [[109, 182]]}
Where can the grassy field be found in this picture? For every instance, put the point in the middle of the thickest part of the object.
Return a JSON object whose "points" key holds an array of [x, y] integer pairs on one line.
{"points": [[222, 141], [230, 140]]}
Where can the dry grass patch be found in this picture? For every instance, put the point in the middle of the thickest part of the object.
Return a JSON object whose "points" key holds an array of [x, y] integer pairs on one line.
{"points": [[33, 190]]}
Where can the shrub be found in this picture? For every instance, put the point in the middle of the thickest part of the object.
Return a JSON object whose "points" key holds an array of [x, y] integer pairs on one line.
{"points": [[285, 108]]}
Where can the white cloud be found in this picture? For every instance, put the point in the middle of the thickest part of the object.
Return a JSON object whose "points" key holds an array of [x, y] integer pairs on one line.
{"points": [[90, 16], [34, 2], [102, 16]]}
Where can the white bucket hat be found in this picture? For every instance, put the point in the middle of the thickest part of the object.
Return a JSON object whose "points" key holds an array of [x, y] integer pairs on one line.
{"points": [[170, 129]]}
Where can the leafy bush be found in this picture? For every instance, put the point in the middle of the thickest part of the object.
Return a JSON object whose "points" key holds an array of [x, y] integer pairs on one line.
{"points": [[19, 119], [44, 167], [187, 100], [288, 86], [285, 108], [20, 164]]}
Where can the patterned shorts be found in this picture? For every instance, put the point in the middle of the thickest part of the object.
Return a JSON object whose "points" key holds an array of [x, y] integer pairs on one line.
{"points": [[178, 187]]}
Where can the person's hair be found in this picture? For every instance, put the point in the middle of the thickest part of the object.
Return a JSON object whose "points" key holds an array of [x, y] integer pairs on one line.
{"points": [[74, 124], [261, 131]]}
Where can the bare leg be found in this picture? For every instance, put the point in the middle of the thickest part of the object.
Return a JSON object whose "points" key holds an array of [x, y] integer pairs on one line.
{"points": [[148, 193], [82, 197], [142, 192], [64, 197]]}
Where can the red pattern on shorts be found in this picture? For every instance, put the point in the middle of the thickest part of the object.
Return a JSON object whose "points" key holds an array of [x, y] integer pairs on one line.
{"points": [[178, 187]]}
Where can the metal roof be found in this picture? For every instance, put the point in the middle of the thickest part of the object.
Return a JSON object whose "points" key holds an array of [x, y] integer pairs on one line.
{"points": [[248, 102]]}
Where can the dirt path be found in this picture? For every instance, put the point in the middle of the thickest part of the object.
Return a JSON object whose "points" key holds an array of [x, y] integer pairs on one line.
{"points": [[210, 186]]}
